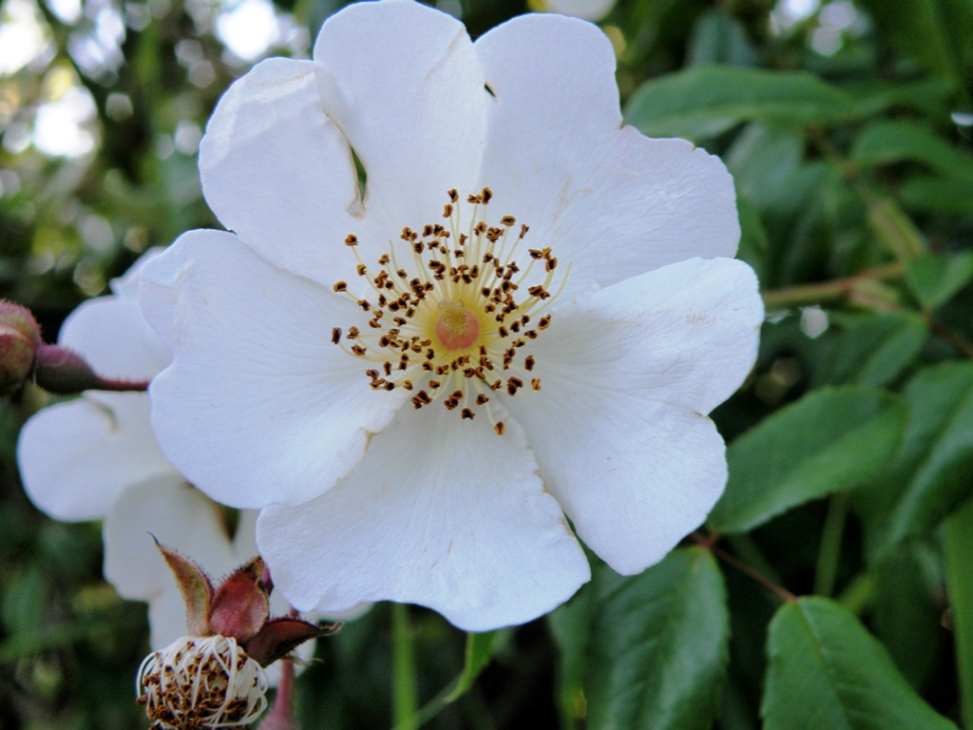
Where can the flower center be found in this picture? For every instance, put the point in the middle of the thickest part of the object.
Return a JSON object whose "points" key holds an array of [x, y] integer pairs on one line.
{"points": [[457, 322], [457, 327]]}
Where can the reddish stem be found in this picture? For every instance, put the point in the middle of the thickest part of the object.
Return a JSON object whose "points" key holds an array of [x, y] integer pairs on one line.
{"points": [[122, 385], [281, 715], [707, 543]]}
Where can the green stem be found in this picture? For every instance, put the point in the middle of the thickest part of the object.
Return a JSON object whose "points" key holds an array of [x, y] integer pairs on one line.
{"points": [[828, 291], [830, 551], [958, 549], [405, 699], [858, 595]]}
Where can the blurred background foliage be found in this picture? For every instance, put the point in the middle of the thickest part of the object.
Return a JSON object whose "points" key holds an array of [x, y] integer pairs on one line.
{"points": [[847, 125]]}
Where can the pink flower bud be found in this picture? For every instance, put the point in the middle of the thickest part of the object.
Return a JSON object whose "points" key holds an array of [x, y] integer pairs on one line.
{"points": [[20, 337]]}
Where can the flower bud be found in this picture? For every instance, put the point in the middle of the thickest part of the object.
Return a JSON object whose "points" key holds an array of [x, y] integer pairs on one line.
{"points": [[20, 337], [63, 371], [201, 682]]}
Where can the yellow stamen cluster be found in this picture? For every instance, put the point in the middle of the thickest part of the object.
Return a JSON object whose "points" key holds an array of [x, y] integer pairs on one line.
{"points": [[453, 324], [201, 682]]}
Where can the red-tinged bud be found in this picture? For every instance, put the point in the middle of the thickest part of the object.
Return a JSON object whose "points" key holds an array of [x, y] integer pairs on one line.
{"points": [[63, 371], [20, 337]]}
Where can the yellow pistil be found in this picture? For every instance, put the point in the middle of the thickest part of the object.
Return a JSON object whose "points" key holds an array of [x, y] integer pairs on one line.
{"points": [[454, 324]]}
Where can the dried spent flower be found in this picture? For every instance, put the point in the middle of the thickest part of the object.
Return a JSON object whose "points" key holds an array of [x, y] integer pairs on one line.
{"points": [[200, 682]]}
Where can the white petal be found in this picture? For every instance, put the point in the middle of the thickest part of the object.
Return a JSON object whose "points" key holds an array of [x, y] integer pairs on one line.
{"points": [[75, 458], [276, 169], [608, 200], [258, 406], [182, 519], [627, 376], [111, 334], [402, 82], [440, 512]]}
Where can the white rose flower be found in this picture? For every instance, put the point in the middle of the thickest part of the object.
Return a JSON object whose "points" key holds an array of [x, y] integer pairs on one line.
{"points": [[95, 457], [419, 431]]}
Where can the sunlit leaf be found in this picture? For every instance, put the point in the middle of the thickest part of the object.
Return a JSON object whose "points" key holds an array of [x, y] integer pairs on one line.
{"points": [[703, 101]]}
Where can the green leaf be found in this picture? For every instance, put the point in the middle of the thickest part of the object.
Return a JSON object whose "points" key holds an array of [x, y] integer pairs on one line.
{"points": [[871, 349], [827, 671], [933, 473], [659, 646], [887, 142], [704, 101], [479, 651], [930, 96], [720, 38], [753, 238], [937, 195], [906, 615], [832, 440], [570, 626], [935, 279], [958, 553]]}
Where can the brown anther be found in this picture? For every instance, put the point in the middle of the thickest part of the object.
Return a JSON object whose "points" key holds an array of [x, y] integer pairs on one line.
{"points": [[544, 322], [486, 195], [447, 210], [467, 413], [335, 335], [535, 383], [351, 240], [499, 427], [453, 195], [358, 350], [340, 286], [482, 399], [508, 220]]}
